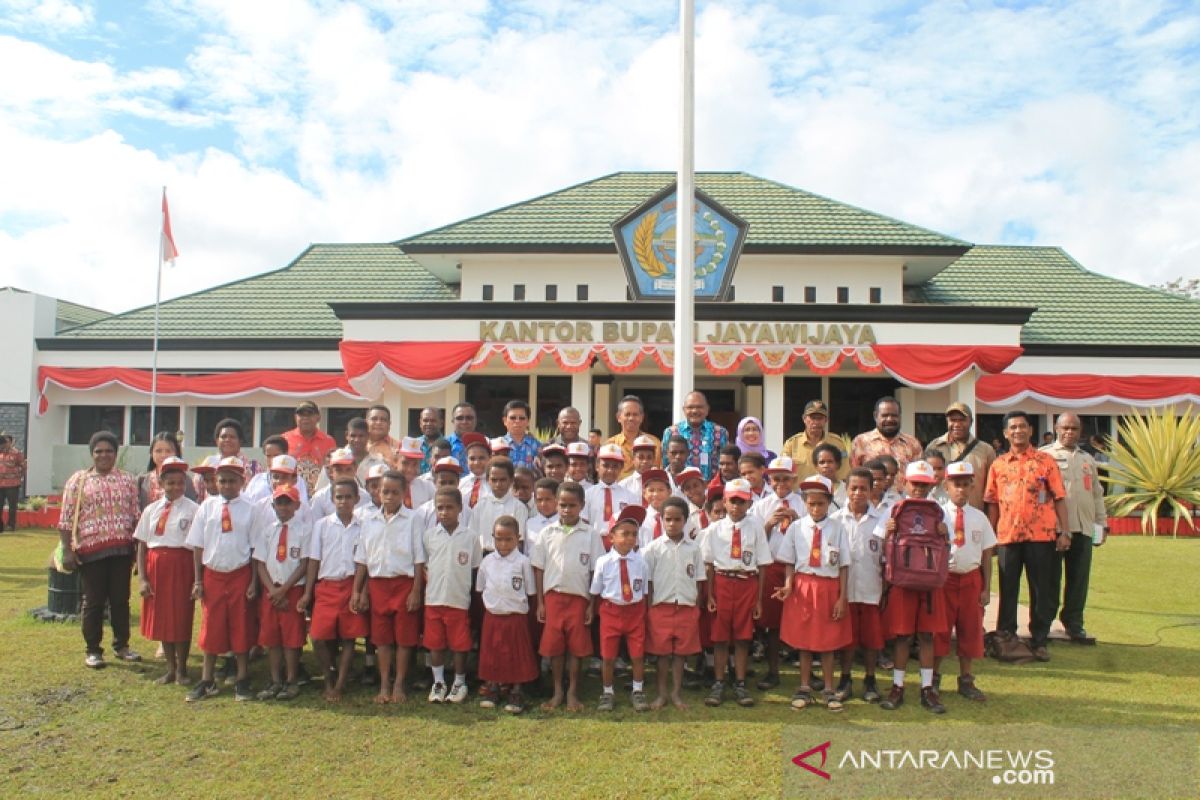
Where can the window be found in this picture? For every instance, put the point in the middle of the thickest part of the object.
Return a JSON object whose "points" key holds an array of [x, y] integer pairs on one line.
{"points": [[581, 292], [930, 427], [518, 291], [876, 295], [489, 393], [166, 418], [276, 420], [337, 418], [810, 294], [551, 292], [843, 294], [83, 421], [776, 294], [796, 394], [489, 291], [207, 418], [852, 402], [553, 395]]}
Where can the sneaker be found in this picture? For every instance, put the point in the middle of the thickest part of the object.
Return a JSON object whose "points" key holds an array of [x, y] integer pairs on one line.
{"points": [[937, 681], [607, 702], [94, 661], [832, 702], [270, 692], [716, 695], [1040, 653], [742, 695], [871, 690], [289, 692], [458, 693], [227, 674], [932, 700], [593, 668], [894, 700], [758, 651], [802, 698], [845, 689], [638, 698], [488, 694], [967, 688], [437, 694], [515, 704], [242, 690], [768, 681], [202, 691], [125, 654]]}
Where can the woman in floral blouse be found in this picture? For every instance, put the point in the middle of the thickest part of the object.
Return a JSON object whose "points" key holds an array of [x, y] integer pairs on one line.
{"points": [[99, 514]]}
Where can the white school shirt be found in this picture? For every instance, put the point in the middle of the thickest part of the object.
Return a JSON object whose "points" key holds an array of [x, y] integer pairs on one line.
{"points": [[835, 548], [567, 557], [182, 513], [718, 543], [533, 530], [593, 506], [489, 509], [390, 548], [606, 580], [765, 507], [266, 546], [449, 559], [223, 552], [978, 536], [333, 544], [586, 483], [259, 487], [674, 569], [841, 498], [427, 516], [321, 505], [506, 582], [420, 492], [864, 582], [633, 484], [647, 530], [467, 483]]}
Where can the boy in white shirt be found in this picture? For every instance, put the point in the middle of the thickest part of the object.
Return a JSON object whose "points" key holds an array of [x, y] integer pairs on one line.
{"points": [[545, 512], [473, 484], [656, 488], [506, 654], [417, 492], [554, 461], [620, 582], [777, 511], [644, 448], [607, 496], [282, 546], [499, 502], [579, 464], [451, 552], [340, 467], [864, 584]]}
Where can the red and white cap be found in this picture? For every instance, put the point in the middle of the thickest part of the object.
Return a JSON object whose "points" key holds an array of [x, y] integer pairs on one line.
{"points": [[208, 465], [686, 474], [920, 472], [781, 465], [377, 471], [290, 492], [341, 458], [500, 445], [411, 448], [283, 463], [739, 487], [610, 452], [960, 469], [631, 513], [447, 464], [655, 474], [231, 464], [645, 442], [816, 483], [579, 450], [474, 439], [550, 448], [172, 464]]}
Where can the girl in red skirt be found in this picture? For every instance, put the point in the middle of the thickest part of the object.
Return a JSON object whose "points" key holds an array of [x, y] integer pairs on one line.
{"points": [[166, 570], [506, 655], [817, 555]]}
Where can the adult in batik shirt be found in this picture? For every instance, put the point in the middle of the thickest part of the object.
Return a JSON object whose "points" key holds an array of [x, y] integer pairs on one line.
{"points": [[705, 438], [12, 474], [886, 439], [99, 515]]}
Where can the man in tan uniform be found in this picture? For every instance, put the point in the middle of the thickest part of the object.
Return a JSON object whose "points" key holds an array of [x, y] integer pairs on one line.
{"points": [[1087, 523], [799, 448], [957, 444]]}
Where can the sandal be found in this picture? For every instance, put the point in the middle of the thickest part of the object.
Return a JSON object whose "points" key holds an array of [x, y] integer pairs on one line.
{"points": [[832, 702], [802, 698]]}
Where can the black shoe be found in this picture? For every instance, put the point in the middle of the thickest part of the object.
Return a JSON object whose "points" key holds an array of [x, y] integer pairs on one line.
{"points": [[894, 700], [242, 690], [845, 689], [870, 690], [769, 681], [1080, 636], [932, 700], [1040, 653], [968, 689], [227, 674]]}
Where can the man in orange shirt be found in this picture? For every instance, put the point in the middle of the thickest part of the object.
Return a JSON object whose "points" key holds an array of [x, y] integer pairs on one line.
{"points": [[308, 444], [1026, 504]]}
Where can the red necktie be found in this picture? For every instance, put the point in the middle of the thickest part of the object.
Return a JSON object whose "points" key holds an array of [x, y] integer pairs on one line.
{"points": [[658, 526], [735, 548], [626, 586], [226, 519], [814, 555], [281, 548], [161, 526], [607, 503], [960, 528], [703, 519], [475, 492], [783, 526]]}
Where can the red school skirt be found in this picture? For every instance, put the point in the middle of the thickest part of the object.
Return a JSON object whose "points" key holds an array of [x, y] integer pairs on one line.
{"points": [[229, 623], [808, 622], [167, 616], [505, 649]]}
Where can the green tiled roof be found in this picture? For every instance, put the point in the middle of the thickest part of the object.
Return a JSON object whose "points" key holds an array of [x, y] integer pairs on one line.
{"points": [[291, 302], [1074, 306], [68, 315], [780, 216]]}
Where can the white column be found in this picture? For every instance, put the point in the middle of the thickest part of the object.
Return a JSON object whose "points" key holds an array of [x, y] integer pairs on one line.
{"points": [[752, 401], [533, 401], [602, 416], [581, 398], [685, 254], [908, 408], [772, 411]]}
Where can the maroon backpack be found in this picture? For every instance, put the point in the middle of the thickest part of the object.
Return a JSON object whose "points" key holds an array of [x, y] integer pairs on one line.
{"points": [[918, 557]]}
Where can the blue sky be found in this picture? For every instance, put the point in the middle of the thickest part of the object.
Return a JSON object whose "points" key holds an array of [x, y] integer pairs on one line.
{"points": [[281, 122]]}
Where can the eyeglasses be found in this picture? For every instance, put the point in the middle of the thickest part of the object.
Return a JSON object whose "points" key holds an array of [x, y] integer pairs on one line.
{"points": [[517, 419], [461, 418]]}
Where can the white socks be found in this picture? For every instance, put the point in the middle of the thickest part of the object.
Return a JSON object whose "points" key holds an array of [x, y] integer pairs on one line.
{"points": [[926, 677], [439, 674], [898, 677]]}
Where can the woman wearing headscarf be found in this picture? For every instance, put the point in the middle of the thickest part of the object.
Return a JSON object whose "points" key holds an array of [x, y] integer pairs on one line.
{"points": [[750, 438]]}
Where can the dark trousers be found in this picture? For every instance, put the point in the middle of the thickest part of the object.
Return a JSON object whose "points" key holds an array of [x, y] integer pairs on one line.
{"points": [[9, 495], [106, 582], [1036, 559], [1077, 563]]}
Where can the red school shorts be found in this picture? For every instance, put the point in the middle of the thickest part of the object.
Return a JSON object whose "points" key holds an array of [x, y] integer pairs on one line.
{"points": [[910, 612], [167, 615], [564, 631], [808, 622], [331, 614], [391, 621], [867, 624], [281, 627], [774, 577], [673, 630], [964, 615], [228, 623], [626, 622], [733, 621], [447, 628]]}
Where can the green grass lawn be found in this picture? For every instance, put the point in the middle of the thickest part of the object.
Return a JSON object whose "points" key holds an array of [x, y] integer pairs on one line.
{"points": [[64, 728]]}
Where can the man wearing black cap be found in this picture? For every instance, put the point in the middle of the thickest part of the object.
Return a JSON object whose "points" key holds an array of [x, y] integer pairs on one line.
{"points": [[308, 444], [959, 444], [799, 448]]}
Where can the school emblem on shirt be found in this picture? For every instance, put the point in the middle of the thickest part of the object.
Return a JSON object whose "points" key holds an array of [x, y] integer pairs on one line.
{"points": [[874, 545], [637, 584], [517, 582], [184, 522], [747, 557], [834, 557], [294, 552], [462, 558], [691, 570], [585, 558], [976, 536]]}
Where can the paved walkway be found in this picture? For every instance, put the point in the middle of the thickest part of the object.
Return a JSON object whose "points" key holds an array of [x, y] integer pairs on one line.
{"points": [[1057, 631]]}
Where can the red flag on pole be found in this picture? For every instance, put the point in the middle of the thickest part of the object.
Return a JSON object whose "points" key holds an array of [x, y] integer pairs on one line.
{"points": [[169, 251]]}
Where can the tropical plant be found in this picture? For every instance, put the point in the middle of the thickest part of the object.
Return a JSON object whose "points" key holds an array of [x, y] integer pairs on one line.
{"points": [[544, 434], [1156, 461]]}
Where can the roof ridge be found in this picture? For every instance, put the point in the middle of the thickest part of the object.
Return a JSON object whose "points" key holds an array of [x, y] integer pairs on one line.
{"points": [[1170, 296]]}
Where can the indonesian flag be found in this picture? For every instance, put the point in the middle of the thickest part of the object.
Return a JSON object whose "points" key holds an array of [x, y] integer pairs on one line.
{"points": [[169, 251]]}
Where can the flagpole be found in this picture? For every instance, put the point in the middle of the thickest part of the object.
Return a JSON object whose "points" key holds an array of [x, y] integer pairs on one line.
{"points": [[685, 254], [157, 299]]}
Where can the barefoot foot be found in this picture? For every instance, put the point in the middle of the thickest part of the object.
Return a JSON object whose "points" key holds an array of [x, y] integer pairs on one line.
{"points": [[553, 703], [659, 703], [165, 679]]}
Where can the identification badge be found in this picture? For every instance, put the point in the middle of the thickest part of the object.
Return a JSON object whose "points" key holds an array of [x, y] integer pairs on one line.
{"points": [[294, 552], [637, 584], [834, 557], [517, 582], [747, 557], [691, 570]]}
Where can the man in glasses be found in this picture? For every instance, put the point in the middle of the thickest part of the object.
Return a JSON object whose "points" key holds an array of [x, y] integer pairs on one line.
{"points": [[463, 417]]}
